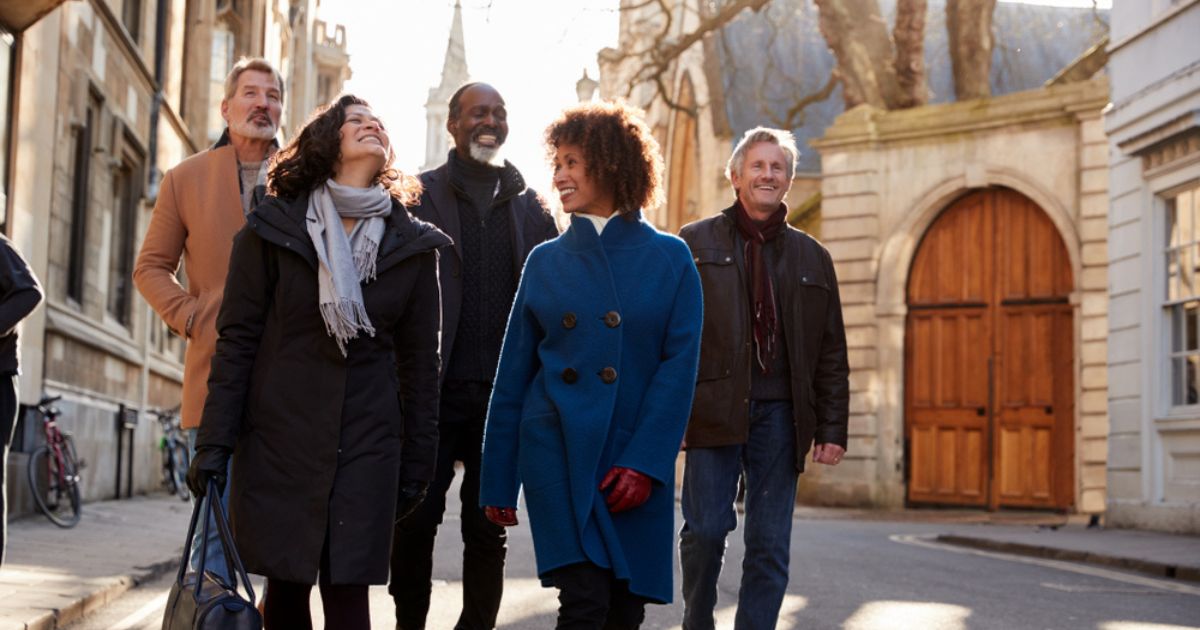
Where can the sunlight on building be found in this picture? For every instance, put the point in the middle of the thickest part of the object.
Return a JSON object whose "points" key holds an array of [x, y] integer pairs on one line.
{"points": [[883, 615]]}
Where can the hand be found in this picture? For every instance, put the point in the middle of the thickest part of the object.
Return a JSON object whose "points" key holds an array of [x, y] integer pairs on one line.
{"points": [[409, 498], [504, 517], [828, 454], [210, 462], [630, 489]]}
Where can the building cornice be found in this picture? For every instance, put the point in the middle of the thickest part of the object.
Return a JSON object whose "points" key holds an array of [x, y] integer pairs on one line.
{"points": [[866, 125]]}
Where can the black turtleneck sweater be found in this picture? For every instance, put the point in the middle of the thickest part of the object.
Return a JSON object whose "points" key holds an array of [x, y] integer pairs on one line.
{"points": [[489, 280]]}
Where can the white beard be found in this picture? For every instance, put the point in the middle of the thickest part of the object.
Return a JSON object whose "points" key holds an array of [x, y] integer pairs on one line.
{"points": [[492, 156], [248, 129]]}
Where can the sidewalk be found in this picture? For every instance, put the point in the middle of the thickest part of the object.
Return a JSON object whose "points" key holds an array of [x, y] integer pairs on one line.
{"points": [[1158, 554], [53, 576]]}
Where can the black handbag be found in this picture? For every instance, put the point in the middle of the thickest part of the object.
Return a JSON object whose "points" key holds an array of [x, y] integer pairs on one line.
{"points": [[201, 600]]}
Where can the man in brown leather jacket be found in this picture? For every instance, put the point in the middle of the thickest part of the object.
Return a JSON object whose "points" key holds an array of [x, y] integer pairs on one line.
{"points": [[773, 380]]}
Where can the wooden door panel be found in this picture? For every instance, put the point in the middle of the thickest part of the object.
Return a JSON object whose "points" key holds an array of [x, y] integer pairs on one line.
{"points": [[1027, 418], [989, 358], [949, 392], [948, 267]]}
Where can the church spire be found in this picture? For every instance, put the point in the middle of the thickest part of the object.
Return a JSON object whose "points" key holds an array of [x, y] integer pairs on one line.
{"points": [[454, 70], [454, 74]]}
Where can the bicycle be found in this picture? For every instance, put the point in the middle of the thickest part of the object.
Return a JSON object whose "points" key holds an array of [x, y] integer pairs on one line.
{"points": [[174, 450], [54, 470]]}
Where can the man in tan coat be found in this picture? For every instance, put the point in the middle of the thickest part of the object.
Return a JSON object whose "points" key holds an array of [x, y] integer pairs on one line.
{"points": [[202, 203]]}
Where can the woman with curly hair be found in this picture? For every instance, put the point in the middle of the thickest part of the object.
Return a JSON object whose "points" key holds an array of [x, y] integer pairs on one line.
{"points": [[596, 378], [324, 385]]}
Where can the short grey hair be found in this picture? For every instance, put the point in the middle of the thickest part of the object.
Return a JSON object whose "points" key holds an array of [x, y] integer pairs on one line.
{"points": [[257, 64], [780, 137]]}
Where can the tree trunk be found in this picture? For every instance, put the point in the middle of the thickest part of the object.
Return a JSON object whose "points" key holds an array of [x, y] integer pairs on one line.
{"points": [[909, 35], [857, 34], [969, 25]]}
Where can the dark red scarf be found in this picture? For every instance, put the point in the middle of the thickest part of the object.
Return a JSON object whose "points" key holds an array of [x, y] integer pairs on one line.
{"points": [[762, 290]]}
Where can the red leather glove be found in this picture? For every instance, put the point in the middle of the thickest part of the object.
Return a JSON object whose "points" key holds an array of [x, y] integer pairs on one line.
{"points": [[504, 517], [630, 489]]}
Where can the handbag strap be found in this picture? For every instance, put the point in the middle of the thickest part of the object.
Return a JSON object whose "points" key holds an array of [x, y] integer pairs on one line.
{"points": [[232, 558], [187, 544]]}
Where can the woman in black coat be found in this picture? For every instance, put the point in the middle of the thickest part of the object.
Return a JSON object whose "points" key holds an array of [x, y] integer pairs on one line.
{"points": [[324, 382]]}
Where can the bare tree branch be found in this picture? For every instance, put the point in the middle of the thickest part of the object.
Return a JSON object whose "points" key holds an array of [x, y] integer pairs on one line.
{"points": [[969, 25], [909, 37], [656, 60], [794, 117]]}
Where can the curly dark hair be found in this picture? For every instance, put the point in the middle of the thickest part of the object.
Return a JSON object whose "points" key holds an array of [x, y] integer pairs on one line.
{"points": [[309, 159], [619, 150]]}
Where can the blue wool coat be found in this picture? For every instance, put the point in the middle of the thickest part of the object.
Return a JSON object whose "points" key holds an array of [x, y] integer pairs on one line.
{"points": [[597, 370]]}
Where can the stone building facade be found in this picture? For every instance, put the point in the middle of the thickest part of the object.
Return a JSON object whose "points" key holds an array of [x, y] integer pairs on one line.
{"points": [[106, 96], [1153, 128], [970, 245]]}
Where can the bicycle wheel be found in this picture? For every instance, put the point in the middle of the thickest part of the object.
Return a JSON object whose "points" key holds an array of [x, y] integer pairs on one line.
{"points": [[178, 470], [55, 492]]}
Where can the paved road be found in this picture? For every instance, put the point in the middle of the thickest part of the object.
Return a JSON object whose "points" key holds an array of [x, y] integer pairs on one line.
{"points": [[845, 574]]}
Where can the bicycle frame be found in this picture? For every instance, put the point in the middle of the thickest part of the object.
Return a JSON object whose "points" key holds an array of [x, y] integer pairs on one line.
{"points": [[56, 443]]}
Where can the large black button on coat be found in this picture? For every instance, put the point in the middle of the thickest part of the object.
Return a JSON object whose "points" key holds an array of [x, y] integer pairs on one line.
{"points": [[569, 376], [608, 375]]}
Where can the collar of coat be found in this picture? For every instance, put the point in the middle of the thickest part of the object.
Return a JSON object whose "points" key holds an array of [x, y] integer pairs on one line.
{"points": [[224, 140], [729, 228], [282, 222], [621, 232]]}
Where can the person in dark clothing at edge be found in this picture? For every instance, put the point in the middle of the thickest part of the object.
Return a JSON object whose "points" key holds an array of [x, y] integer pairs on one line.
{"points": [[480, 200], [20, 293], [773, 382]]}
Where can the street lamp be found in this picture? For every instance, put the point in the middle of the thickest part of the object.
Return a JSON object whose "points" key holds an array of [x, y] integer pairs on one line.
{"points": [[585, 88]]}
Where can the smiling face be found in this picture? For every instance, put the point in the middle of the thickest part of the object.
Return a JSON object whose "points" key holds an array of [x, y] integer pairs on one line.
{"points": [[577, 190], [363, 139], [481, 126], [254, 108], [762, 181]]}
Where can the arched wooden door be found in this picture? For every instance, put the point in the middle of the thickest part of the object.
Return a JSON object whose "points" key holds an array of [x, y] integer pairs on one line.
{"points": [[989, 356]]}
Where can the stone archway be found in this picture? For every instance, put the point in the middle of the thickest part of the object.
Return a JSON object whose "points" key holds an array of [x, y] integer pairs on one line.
{"points": [[891, 280]]}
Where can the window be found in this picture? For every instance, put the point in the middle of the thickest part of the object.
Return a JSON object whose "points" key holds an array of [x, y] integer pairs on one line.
{"points": [[324, 88], [126, 198], [131, 17], [223, 43], [76, 260], [1183, 294]]}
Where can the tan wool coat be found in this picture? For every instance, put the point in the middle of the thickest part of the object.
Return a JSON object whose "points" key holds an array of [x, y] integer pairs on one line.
{"points": [[198, 212]]}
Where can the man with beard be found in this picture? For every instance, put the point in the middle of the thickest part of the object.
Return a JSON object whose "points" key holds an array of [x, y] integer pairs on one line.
{"points": [[481, 202], [201, 205]]}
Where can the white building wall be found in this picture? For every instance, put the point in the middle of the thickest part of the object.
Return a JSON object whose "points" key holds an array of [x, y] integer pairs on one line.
{"points": [[1154, 447]]}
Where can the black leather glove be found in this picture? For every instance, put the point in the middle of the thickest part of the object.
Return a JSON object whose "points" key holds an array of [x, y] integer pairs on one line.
{"points": [[410, 495], [210, 462]]}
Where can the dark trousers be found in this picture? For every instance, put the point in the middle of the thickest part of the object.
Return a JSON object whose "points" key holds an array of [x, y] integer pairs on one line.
{"points": [[460, 428], [8, 424], [591, 598], [346, 606]]}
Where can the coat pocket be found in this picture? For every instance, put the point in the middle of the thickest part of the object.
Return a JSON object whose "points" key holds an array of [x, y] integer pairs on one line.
{"points": [[542, 459]]}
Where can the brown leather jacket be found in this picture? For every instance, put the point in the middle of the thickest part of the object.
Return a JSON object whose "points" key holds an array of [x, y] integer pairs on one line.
{"points": [[812, 326]]}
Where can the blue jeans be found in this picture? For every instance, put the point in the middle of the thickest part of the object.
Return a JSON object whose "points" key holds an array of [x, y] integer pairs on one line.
{"points": [[710, 486], [214, 556]]}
